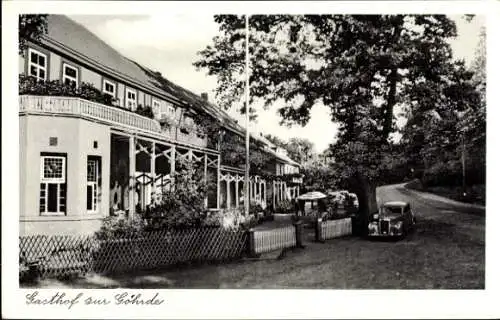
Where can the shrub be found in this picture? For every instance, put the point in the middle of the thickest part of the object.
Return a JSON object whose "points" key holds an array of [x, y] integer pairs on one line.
{"points": [[145, 111], [182, 206], [230, 219], [119, 227], [255, 208], [285, 206]]}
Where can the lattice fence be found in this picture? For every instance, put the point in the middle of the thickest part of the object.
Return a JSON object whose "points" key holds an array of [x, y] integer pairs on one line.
{"points": [[59, 256]]}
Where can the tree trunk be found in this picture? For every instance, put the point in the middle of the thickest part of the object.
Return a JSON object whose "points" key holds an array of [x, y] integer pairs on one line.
{"points": [[391, 102], [365, 190]]}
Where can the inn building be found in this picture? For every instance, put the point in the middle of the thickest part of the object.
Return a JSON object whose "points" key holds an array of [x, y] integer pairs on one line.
{"points": [[82, 160]]}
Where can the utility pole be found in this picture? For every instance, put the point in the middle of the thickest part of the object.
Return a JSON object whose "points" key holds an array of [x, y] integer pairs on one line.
{"points": [[247, 117]]}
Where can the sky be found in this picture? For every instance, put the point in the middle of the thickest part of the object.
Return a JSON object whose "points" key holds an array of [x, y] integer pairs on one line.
{"points": [[169, 44]]}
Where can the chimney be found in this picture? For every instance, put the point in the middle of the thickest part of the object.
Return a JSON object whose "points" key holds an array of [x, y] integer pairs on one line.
{"points": [[204, 96]]}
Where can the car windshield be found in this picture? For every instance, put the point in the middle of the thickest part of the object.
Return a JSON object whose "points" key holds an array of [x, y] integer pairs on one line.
{"points": [[391, 210]]}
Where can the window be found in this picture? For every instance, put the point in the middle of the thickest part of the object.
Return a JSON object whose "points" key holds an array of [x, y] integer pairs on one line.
{"points": [[157, 108], [93, 183], [53, 185], [109, 87], [70, 75], [130, 99], [171, 110], [37, 64], [165, 110]]}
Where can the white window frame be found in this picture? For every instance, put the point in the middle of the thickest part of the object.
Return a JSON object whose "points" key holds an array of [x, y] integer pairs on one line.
{"points": [[127, 99], [36, 65], [171, 110], [104, 83], [53, 180], [65, 76], [157, 109], [94, 185]]}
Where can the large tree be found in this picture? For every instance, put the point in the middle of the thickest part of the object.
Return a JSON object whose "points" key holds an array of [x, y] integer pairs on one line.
{"points": [[443, 139], [362, 67]]}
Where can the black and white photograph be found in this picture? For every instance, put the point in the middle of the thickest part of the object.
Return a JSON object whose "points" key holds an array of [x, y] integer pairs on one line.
{"points": [[325, 150]]}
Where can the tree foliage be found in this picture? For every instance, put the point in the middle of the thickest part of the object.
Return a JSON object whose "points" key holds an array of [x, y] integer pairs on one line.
{"points": [[31, 27], [298, 149], [362, 67], [437, 136]]}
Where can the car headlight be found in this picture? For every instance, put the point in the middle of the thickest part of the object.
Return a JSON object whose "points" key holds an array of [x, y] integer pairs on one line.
{"points": [[375, 216], [398, 224]]}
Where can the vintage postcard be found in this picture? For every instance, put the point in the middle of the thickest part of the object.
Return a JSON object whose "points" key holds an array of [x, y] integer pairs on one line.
{"points": [[338, 148]]}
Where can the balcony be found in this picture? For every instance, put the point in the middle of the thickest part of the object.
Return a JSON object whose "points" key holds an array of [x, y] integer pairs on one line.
{"points": [[107, 114]]}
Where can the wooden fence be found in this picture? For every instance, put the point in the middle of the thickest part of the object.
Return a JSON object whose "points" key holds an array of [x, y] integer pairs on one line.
{"points": [[60, 256], [331, 229], [263, 241]]}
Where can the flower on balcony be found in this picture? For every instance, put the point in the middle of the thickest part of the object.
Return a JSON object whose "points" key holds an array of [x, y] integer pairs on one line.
{"points": [[167, 121], [32, 86], [187, 125], [145, 111]]}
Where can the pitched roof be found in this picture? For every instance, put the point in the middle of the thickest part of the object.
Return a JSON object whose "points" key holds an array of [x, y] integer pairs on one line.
{"points": [[75, 38]]}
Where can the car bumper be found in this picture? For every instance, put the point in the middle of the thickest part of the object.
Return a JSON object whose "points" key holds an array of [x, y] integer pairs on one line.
{"points": [[374, 231], [390, 234]]}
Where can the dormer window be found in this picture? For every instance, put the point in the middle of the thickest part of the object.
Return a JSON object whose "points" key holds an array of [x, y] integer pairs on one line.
{"points": [[109, 88], [130, 99], [37, 64], [70, 75]]}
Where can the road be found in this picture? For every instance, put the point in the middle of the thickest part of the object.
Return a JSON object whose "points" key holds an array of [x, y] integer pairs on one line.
{"points": [[447, 251]]}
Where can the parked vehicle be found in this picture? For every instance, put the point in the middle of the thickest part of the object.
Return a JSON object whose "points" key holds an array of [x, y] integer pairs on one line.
{"points": [[394, 219]]}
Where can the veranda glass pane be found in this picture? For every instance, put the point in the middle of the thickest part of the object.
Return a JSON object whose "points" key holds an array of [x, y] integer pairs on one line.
{"points": [[89, 197], [52, 197]]}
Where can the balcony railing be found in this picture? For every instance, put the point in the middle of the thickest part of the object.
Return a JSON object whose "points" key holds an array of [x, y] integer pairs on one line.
{"points": [[112, 115], [81, 107]]}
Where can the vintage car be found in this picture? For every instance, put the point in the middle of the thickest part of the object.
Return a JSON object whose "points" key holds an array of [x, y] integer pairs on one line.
{"points": [[394, 219]]}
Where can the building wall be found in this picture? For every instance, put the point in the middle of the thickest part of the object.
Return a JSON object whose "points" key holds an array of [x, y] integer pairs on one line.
{"points": [[92, 77], [21, 64], [55, 67], [75, 139], [89, 133], [121, 94], [22, 162], [61, 227], [140, 98]]}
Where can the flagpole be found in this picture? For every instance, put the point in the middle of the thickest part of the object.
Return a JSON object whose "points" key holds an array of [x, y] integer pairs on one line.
{"points": [[247, 116]]}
